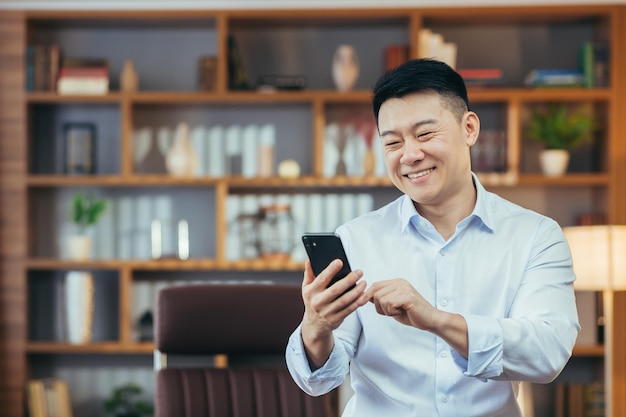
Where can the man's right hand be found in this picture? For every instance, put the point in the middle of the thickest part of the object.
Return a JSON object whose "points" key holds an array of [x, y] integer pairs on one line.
{"points": [[326, 308]]}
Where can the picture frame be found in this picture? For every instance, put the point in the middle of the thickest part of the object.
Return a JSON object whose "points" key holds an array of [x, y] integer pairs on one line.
{"points": [[79, 148]]}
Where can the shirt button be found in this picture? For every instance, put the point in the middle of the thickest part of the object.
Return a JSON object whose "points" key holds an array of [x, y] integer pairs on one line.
{"points": [[444, 398], [442, 252], [443, 303], [444, 354]]}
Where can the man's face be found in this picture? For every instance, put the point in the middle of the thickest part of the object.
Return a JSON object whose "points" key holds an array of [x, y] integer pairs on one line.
{"points": [[426, 148]]}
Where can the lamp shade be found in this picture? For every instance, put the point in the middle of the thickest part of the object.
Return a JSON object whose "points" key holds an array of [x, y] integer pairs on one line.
{"points": [[599, 256]]}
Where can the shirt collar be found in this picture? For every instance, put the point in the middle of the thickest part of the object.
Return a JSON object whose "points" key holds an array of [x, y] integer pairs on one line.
{"points": [[482, 207], [481, 210]]}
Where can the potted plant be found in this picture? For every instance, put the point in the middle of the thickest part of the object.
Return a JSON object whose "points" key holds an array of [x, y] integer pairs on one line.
{"points": [[124, 402], [85, 212], [561, 129]]}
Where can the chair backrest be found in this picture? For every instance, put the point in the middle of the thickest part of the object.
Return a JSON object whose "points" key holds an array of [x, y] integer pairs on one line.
{"points": [[230, 319]]}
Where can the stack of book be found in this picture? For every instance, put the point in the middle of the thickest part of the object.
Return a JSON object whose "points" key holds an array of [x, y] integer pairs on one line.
{"points": [[482, 76], [395, 55], [433, 45], [83, 76], [594, 63], [42, 67], [580, 400], [554, 78], [48, 398]]}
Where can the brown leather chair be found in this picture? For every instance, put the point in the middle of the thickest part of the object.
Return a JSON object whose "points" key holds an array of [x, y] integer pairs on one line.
{"points": [[237, 320]]}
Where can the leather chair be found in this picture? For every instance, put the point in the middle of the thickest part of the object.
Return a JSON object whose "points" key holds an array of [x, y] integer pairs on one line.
{"points": [[236, 320]]}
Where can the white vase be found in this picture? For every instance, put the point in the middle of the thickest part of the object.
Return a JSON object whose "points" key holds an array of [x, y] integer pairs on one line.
{"points": [[79, 247], [553, 162], [181, 159], [79, 306], [345, 67]]}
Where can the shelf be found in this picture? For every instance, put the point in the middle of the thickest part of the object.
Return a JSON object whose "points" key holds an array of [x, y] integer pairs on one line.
{"points": [[476, 94], [592, 351], [168, 265], [569, 180], [96, 347], [166, 180], [52, 98], [489, 179], [493, 94]]}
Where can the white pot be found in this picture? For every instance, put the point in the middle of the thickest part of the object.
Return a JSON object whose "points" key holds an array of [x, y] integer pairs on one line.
{"points": [[79, 306], [79, 247], [554, 162]]}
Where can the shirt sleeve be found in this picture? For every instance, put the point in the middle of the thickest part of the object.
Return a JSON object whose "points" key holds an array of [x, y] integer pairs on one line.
{"points": [[535, 340], [322, 380]]}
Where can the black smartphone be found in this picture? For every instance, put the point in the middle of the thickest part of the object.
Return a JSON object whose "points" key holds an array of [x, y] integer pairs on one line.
{"points": [[322, 249]]}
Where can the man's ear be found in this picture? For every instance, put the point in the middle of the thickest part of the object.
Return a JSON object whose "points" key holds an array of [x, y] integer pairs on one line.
{"points": [[471, 127]]}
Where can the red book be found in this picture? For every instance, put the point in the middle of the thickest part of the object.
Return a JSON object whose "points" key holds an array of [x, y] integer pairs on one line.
{"points": [[84, 72], [481, 73]]}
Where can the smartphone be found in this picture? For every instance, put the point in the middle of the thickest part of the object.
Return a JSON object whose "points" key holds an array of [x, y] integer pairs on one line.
{"points": [[322, 249]]}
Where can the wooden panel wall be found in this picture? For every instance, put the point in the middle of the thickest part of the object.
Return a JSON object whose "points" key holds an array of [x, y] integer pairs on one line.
{"points": [[13, 167]]}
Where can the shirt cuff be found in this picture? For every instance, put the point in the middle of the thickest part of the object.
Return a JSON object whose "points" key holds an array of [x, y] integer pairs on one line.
{"points": [[485, 347], [335, 367]]}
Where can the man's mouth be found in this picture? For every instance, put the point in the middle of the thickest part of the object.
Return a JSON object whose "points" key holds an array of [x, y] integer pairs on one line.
{"points": [[420, 174]]}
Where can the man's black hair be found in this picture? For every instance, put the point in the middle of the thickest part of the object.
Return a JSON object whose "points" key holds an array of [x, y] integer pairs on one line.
{"points": [[421, 75]]}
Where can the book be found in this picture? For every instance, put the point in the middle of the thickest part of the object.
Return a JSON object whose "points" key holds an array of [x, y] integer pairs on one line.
{"points": [[586, 64], [554, 78], [481, 76], [395, 55], [54, 61], [433, 45], [237, 77], [601, 64], [207, 73], [48, 397], [91, 72], [83, 85]]}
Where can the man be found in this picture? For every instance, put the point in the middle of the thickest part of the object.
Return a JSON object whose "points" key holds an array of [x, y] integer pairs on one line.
{"points": [[468, 292]]}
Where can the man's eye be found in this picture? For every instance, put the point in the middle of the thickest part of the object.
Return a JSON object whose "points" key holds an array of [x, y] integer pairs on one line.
{"points": [[424, 136]]}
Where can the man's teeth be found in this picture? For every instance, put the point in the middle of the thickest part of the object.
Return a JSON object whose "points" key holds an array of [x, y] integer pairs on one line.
{"points": [[420, 174]]}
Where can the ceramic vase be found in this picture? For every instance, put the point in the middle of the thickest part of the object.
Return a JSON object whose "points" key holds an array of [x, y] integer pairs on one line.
{"points": [[154, 160], [181, 159], [79, 306], [79, 247], [129, 80], [345, 67], [554, 162], [369, 162]]}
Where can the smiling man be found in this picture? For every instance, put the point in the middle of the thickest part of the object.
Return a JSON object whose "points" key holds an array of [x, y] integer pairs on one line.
{"points": [[468, 293]]}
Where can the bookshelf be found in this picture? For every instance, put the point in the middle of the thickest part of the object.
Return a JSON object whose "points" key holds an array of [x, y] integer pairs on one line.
{"points": [[34, 189]]}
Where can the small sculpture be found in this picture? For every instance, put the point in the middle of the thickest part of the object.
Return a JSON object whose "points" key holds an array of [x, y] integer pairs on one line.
{"points": [[181, 159], [345, 67], [129, 81]]}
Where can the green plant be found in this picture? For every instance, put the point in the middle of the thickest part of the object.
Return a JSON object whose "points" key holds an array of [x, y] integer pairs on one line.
{"points": [[86, 210], [558, 126], [124, 402]]}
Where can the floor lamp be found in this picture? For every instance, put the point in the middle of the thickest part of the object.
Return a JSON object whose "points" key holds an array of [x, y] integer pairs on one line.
{"points": [[599, 256]]}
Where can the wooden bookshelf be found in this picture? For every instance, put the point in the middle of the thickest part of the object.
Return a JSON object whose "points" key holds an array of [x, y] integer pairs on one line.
{"points": [[29, 121]]}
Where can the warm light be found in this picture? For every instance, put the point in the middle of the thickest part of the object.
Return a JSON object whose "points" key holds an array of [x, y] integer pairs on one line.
{"points": [[599, 256]]}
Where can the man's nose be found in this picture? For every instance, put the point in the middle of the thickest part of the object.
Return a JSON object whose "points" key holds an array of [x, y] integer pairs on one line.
{"points": [[412, 152]]}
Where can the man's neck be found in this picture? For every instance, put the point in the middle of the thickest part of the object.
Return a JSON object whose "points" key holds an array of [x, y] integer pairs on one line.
{"points": [[446, 217]]}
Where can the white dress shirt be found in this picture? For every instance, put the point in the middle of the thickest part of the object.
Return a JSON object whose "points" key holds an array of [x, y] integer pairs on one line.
{"points": [[506, 270]]}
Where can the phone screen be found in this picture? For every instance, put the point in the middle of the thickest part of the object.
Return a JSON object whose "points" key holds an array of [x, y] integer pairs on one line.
{"points": [[322, 249]]}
